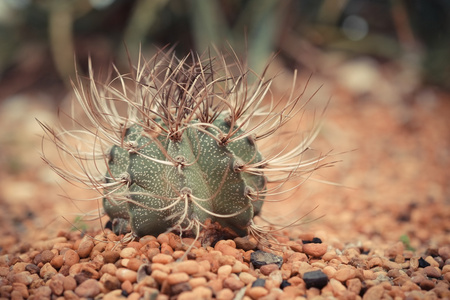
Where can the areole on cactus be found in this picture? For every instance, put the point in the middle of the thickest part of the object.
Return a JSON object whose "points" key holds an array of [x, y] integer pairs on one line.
{"points": [[175, 144]]}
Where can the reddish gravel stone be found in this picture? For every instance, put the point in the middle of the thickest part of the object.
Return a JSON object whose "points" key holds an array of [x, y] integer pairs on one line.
{"points": [[21, 290], [132, 263], [69, 283], [166, 249], [126, 275], [61, 246], [175, 241], [414, 263], [110, 256], [47, 271], [354, 285], [47, 256], [228, 248], [71, 257], [176, 278], [199, 281], [187, 295], [296, 257], [267, 269], [224, 271], [315, 250], [246, 243], [202, 292], [330, 271], [57, 284], [225, 294], [247, 278], [432, 272], [128, 252], [23, 277], [329, 255], [432, 261], [427, 285], [376, 261], [48, 244], [446, 269], [233, 283], [4, 271], [444, 252], [88, 288], [390, 265], [257, 292], [396, 249], [345, 274], [374, 293], [108, 268], [162, 259], [42, 292], [159, 276], [57, 261], [127, 286], [110, 282], [189, 267], [85, 247], [336, 286], [146, 239], [296, 246], [70, 295]]}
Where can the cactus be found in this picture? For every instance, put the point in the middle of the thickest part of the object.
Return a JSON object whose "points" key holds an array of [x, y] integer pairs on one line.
{"points": [[175, 145], [193, 174]]}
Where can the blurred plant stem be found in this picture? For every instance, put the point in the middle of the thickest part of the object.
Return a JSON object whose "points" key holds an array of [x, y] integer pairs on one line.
{"points": [[265, 27], [252, 35], [330, 11], [144, 15], [209, 25], [61, 37]]}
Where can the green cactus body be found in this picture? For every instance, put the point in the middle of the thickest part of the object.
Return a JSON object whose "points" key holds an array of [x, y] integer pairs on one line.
{"points": [[192, 177]]}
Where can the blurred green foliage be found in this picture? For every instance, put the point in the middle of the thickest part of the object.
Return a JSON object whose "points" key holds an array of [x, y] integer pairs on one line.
{"points": [[39, 38], [406, 242], [79, 224]]}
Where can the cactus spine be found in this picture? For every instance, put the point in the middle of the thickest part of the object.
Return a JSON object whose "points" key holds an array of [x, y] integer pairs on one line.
{"points": [[179, 145]]}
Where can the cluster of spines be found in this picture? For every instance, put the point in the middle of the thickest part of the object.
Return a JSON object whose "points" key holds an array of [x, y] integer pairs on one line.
{"points": [[165, 97]]}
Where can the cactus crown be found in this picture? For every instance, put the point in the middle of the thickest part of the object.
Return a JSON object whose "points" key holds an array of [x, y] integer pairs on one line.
{"points": [[175, 145]]}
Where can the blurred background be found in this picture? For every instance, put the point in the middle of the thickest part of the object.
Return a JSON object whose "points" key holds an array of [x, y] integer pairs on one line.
{"points": [[41, 39], [385, 65]]}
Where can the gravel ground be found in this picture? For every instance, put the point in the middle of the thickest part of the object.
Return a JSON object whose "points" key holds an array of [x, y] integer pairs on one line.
{"points": [[384, 233], [75, 267]]}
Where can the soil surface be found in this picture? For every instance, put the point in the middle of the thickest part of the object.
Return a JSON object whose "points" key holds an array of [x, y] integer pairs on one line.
{"points": [[381, 231]]}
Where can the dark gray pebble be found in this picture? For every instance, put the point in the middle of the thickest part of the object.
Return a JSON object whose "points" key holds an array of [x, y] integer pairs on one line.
{"points": [[180, 287], [260, 258], [314, 241], [32, 268], [284, 284], [423, 263], [259, 282], [316, 279]]}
